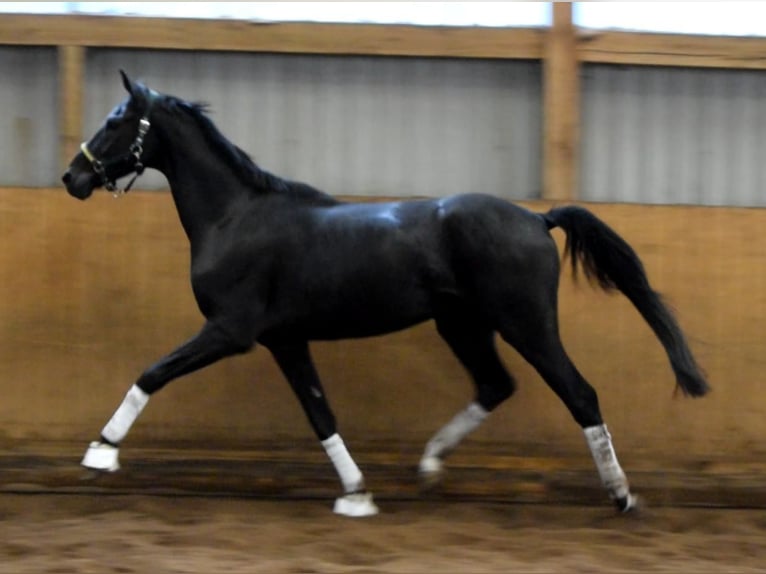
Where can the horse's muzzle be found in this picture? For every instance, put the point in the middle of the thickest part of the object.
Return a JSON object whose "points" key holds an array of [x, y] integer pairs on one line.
{"points": [[80, 186]]}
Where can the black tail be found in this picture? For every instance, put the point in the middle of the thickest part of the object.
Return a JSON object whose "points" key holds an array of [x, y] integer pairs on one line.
{"points": [[608, 260]]}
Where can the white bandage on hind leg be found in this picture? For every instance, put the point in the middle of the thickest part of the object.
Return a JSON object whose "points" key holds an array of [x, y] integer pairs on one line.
{"points": [[450, 435], [125, 415], [612, 476], [349, 473]]}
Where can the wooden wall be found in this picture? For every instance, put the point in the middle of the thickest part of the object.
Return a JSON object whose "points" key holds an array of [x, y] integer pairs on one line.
{"points": [[93, 292]]}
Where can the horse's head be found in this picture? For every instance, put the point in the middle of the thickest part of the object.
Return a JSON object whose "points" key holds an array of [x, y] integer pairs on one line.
{"points": [[118, 148]]}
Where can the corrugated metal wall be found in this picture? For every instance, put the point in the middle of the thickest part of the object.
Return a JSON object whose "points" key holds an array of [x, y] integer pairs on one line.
{"points": [[28, 122], [409, 126], [355, 125], [673, 135]]}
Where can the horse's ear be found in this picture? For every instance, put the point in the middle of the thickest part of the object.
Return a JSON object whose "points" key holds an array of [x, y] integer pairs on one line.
{"points": [[126, 82]]}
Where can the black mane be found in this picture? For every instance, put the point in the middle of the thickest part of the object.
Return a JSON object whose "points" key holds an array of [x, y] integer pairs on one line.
{"points": [[260, 180]]}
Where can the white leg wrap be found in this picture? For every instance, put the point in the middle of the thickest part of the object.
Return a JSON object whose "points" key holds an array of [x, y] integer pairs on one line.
{"points": [[450, 435], [125, 415], [612, 476], [349, 473], [356, 502]]}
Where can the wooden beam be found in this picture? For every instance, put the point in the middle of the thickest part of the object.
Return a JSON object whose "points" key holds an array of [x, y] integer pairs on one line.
{"points": [[71, 69], [561, 101], [239, 35], [671, 50], [376, 39]]}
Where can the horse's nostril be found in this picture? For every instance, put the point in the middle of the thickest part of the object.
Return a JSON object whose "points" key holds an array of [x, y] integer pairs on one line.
{"points": [[66, 178]]}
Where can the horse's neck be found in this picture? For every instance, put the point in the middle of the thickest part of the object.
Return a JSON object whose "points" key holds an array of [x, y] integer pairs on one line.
{"points": [[205, 188]]}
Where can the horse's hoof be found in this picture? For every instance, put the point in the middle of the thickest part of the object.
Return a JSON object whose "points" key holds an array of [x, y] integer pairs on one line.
{"points": [[431, 472], [101, 457], [430, 481], [88, 474], [629, 503], [356, 505]]}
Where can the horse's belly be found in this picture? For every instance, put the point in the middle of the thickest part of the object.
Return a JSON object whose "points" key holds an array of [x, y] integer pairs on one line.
{"points": [[390, 288], [357, 315], [359, 326]]}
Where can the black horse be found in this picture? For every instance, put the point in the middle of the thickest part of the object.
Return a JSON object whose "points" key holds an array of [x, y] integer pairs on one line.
{"points": [[280, 263]]}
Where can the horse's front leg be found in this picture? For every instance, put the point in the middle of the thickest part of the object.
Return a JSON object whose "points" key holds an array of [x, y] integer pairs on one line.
{"points": [[207, 347], [295, 361]]}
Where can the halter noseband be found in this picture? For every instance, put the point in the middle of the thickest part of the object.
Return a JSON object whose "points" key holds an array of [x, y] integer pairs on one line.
{"points": [[134, 153]]}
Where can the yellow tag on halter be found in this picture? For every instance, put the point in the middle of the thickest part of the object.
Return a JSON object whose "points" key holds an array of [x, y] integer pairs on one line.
{"points": [[86, 152]]}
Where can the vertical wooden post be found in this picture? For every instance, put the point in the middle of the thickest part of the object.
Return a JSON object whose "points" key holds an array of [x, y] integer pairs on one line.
{"points": [[71, 69], [561, 107]]}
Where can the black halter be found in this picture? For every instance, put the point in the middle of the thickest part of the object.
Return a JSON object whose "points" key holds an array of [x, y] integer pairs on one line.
{"points": [[131, 159]]}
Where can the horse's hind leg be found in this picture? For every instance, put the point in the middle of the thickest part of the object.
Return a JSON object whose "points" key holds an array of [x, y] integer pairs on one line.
{"points": [[536, 337], [473, 343], [294, 359]]}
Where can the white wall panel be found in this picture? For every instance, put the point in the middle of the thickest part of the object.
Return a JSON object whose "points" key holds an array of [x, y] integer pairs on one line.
{"points": [[673, 135], [29, 118], [355, 125]]}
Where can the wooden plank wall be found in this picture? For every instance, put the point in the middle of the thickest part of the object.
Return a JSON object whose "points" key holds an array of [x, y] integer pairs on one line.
{"points": [[92, 293]]}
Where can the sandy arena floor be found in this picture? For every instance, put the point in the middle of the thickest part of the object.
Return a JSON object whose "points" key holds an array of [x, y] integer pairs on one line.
{"points": [[100, 533]]}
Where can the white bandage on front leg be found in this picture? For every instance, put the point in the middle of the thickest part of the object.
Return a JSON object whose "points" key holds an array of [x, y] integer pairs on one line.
{"points": [[450, 435], [125, 415], [350, 475], [612, 476]]}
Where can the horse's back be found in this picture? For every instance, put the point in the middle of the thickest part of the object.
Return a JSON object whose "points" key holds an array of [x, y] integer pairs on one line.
{"points": [[491, 225]]}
